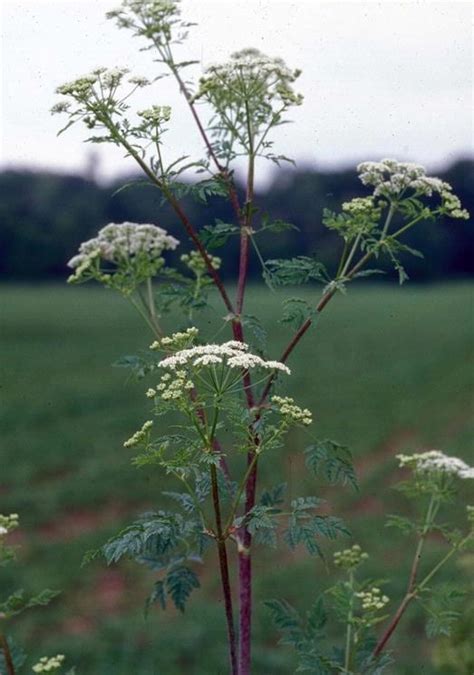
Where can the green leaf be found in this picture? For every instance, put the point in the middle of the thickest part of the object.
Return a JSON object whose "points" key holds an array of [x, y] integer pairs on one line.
{"points": [[183, 499], [296, 311], [306, 503], [277, 225], [329, 526], [294, 271], [444, 610], [286, 619], [315, 663], [139, 365], [333, 460], [316, 617], [133, 183], [401, 523], [158, 595], [274, 496], [200, 191], [302, 533], [129, 542], [258, 331], [17, 602], [180, 583], [214, 236]]}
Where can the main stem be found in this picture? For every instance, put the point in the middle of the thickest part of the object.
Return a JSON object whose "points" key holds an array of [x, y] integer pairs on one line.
{"points": [[7, 655], [224, 572]]}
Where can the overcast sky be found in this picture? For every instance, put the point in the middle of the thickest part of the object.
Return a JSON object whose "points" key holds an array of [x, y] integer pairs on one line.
{"points": [[379, 78]]}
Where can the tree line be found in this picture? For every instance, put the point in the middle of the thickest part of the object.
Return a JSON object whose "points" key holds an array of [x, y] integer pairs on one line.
{"points": [[45, 216]]}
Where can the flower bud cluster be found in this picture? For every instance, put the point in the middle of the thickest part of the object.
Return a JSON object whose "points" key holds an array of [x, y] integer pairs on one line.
{"points": [[362, 206], [435, 461], [451, 204], [293, 413], [372, 600], [8, 523], [48, 665], [176, 387], [139, 436], [393, 179], [176, 341], [350, 557], [156, 115], [197, 264]]}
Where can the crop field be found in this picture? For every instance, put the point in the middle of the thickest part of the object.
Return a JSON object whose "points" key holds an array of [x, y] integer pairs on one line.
{"points": [[385, 370]]}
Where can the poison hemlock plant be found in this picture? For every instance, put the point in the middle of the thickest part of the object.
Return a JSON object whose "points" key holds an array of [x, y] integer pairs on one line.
{"points": [[225, 417]]}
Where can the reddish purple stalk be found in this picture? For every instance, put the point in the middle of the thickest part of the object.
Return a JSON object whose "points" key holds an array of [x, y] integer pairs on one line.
{"points": [[7, 655]]}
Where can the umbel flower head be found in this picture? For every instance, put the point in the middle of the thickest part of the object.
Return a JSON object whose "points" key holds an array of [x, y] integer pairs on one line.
{"points": [[131, 249], [249, 92], [253, 74], [231, 354], [396, 180], [436, 462], [157, 20]]}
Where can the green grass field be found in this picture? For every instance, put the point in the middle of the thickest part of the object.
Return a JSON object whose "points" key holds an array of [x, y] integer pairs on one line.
{"points": [[386, 370]]}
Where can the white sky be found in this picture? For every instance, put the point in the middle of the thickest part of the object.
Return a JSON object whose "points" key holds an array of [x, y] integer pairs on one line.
{"points": [[380, 79]]}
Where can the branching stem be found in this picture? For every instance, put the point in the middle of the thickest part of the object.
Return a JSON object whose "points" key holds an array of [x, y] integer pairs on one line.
{"points": [[224, 572]]}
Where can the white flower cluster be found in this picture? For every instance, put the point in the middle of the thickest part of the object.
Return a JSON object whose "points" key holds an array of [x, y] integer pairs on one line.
{"points": [[172, 388], [251, 70], [139, 436], [233, 354], [117, 242], [156, 16], [373, 600], [362, 206], [435, 461], [392, 179], [287, 408], [156, 115], [8, 523], [176, 340], [350, 557], [47, 665]]}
